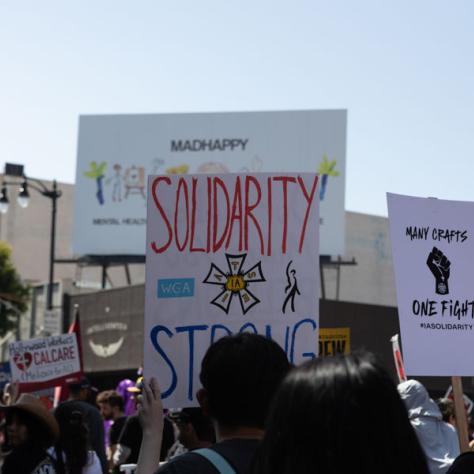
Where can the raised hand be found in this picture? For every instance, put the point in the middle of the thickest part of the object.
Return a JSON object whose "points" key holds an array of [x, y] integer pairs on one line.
{"points": [[150, 412], [440, 268]]}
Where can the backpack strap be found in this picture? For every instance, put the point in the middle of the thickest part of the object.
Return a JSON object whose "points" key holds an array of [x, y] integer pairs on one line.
{"points": [[217, 460]]}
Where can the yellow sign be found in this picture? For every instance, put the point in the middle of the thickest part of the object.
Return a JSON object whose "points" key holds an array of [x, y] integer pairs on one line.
{"points": [[334, 341]]}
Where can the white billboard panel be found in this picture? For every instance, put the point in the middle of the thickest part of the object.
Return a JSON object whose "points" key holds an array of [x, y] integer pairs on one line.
{"points": [[116, 153]]}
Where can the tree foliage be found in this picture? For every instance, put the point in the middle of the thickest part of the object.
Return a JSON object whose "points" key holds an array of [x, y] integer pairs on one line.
{"points": [[13, 293]]}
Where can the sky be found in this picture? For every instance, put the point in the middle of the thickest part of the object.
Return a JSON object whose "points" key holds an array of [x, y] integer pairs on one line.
{"points": [[402, 69]]}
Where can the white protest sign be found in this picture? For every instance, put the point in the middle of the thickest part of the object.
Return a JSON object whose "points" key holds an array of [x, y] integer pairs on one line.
{"points": [[433, 250], [228, 253], [39, 363]]}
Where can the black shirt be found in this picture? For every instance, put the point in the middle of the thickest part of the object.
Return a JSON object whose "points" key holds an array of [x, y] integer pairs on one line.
{"points": [[238, 453], [132, 435], [116, 429]]}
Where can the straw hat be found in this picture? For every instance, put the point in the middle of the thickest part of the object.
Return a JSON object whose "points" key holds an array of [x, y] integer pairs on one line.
{"points": [[34, 406]]}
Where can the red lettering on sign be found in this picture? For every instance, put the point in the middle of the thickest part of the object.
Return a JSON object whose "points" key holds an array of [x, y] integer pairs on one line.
{"points": [[236, 215], [285, 180], [157, 181], [309, 199], [181, 185], [193, 219], [217, 243], [248, 211]]}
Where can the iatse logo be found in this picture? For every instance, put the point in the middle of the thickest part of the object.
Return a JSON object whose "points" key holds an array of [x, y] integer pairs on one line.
{"points": [[210, 144]]}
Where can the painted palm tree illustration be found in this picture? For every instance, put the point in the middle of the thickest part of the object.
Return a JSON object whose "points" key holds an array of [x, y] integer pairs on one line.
{"points": [[97, 172], [326, 168]]}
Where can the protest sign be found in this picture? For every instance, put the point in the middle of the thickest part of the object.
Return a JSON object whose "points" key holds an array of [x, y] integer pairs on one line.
{"points": [[334, 341], [398, 359], [228, 253], [45, 362], [468, 403], [433, 250]]}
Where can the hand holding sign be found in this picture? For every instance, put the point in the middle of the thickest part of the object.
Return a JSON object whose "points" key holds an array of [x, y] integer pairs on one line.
{"points": [[440, 268]]}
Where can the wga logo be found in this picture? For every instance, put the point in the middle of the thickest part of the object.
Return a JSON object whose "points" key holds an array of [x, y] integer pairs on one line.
{"points": [[176, 288]]}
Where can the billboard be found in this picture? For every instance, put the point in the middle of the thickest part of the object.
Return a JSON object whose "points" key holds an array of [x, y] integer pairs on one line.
{"points": [[116, 153]]}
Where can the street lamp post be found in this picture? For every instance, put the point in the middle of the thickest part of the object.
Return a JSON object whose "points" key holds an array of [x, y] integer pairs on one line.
{"points": [[23, 200]]}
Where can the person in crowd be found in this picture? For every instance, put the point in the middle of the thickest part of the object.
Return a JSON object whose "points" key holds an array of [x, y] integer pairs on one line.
{"points": [[438, 439], [111, 408], [128, 400], [31, 430], [80, 393], [239, 376], [446, 407], [128, 447], [71, 453], [10, 393], [335, 415], [195, 431]]}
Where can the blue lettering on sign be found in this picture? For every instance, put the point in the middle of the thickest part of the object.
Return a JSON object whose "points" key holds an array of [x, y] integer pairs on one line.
{"points": [[175, 288], [291, 345]]}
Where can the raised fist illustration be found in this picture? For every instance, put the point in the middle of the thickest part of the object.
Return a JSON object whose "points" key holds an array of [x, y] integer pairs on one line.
{"points": [[439, 265]]}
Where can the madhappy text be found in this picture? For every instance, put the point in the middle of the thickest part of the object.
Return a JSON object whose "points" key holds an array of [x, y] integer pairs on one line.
{"points": [[230, 213]]}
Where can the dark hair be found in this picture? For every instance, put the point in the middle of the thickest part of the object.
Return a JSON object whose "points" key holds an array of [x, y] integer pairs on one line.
{"points": [[26, 457], [446, 407], [201, 423], [73, 438], [241, 374], [37, 434], [339, 414], [113, 398]]}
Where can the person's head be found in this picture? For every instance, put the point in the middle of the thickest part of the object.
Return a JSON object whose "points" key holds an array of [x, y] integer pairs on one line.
{"points": [[74, 436], [239, 376], [80, 390], [28, 422], [128, 400], [339, 414], [194, 428], [446, 406], [110, 404]]}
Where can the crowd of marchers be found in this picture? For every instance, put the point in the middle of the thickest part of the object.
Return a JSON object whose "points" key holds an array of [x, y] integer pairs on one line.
{"points": [[257, 415]]}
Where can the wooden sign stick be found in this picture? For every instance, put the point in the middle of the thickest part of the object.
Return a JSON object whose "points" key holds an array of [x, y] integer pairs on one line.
{"points": [[460, 412]]}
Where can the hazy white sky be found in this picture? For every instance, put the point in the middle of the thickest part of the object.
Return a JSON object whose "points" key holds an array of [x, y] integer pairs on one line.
{"points": [[403, 69]]}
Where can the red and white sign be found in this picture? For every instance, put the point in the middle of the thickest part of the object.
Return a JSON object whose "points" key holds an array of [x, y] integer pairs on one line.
{"points": [[398, 359], [468, 403], [45, 362]]}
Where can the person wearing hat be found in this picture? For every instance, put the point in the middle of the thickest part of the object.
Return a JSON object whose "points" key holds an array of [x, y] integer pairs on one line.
{"points": [[31, 430]]}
